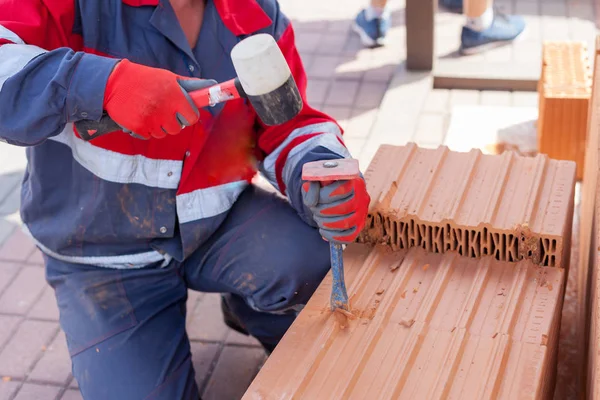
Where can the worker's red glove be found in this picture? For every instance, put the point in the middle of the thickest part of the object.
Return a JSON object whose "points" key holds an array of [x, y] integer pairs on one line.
{"points": [[339, 209], [151, 102]]}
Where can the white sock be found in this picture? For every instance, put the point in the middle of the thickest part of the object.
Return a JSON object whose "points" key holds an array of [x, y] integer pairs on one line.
{"points": [[482, 22], [374, 12]]}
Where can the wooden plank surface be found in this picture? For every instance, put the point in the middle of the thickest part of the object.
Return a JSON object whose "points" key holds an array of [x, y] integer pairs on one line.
{"points": [[420, 27], [588, 257]]}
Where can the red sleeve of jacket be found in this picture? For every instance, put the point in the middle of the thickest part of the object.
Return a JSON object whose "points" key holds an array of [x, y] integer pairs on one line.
{"points": [[45, 82], [47, 24], [291, 135]]}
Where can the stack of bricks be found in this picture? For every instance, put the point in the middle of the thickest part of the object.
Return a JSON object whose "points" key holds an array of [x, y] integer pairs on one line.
{"points": [[471, 203], [457, 288], [564, 91]]}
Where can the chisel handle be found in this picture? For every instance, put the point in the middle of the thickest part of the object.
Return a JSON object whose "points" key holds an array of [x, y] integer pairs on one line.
{"points": [[339, 296], [327, 172]]}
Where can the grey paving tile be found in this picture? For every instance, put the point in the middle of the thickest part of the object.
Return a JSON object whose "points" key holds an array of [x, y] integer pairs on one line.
{"points": [[525, 99], [6, 230], [505, 6], [8, 389], [502, 54], [234, 337], [361, 124], [9, 183], [203, 358], [495, 98], [26, 347], [72, 394], [73, 384], [11, 202], [36, 258], [339, 26], [316, 91], [323, 67], [206, 322], [55, 364], [32, 391], [554, 9], [581, 11], [464, 97], [8, 324], [22, 293], [233, 373], [18, 247], [45, 307], [527, 8], [437, 101], [381, 73], [350, 68], [308, 42], [8, 272], [342, 93], [431, 129], [339, 113], [332, 43], [370, 94], [193, 299]]}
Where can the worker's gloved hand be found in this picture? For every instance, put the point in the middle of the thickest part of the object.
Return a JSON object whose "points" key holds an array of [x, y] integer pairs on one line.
{"points": [[151, 102], [339, 209]]}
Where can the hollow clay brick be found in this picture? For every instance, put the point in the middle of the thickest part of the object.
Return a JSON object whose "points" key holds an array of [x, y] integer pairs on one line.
{"points": [[428, 326], [564, 91], [506, 206]]}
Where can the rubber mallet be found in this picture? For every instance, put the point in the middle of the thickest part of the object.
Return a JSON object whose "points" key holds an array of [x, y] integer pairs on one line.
{"points": [[263, 77], [327, 172]]}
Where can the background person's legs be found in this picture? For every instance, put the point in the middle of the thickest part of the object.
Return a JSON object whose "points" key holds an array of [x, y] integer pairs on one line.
{"points": [[474, 9], [486, 28], [373, 23]]}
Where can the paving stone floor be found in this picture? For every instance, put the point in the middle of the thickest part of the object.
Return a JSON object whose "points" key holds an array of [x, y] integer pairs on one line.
{"points": [[375, 99]]}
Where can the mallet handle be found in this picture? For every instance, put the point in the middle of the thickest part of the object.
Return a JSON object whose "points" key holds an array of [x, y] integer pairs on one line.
{"points": [[210, 96]]}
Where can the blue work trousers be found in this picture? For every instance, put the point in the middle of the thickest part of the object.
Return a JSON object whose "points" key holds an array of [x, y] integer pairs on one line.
{"points": [[126, 328]]}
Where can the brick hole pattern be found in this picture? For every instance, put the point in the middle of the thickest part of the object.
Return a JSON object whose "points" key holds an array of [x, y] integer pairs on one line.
{"points": [[506, 206], [474, 243]]}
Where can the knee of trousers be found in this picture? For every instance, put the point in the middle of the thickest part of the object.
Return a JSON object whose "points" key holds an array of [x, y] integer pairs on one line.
{"points": [[291, 283]]}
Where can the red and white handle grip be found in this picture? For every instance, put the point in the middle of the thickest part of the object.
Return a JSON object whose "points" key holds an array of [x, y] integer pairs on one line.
{"points": [[207, 97]]}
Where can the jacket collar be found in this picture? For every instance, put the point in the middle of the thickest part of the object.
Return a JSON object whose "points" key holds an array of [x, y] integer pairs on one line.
{"points": [[140, 3], [240, 19]]}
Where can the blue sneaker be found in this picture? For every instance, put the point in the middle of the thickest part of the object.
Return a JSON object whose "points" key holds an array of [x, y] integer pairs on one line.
{"points": [[372, 32], [504, 29], [455, 6]]}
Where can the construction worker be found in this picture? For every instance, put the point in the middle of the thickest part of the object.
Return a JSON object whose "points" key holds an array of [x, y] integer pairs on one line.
{"points": [[127, 226], [485, 27]]}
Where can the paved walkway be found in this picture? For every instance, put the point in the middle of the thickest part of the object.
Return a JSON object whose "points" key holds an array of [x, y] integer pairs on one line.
{"points": [[368, 91]]}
